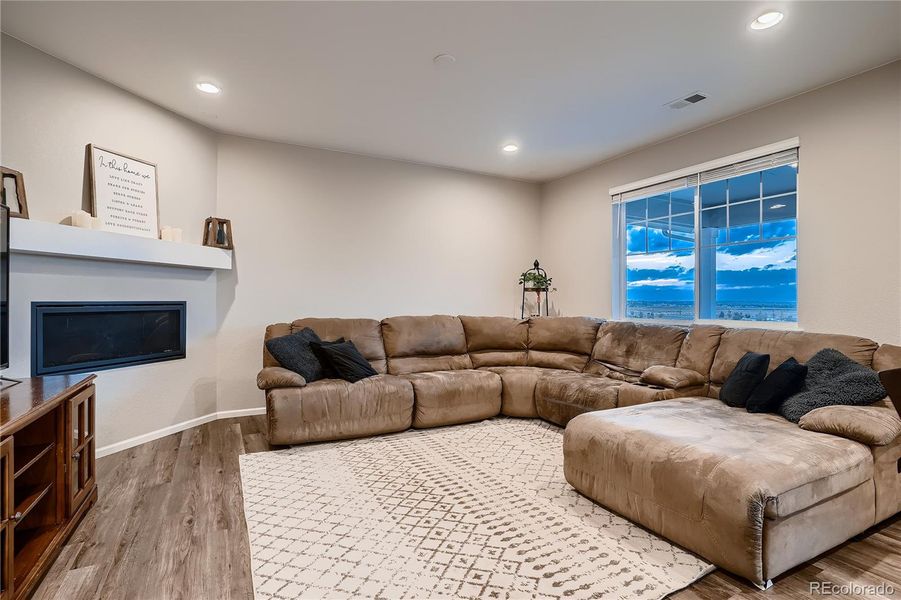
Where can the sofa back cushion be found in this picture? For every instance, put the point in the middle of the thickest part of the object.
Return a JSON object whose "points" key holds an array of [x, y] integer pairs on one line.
{"points": [[699, 348], [496, 341], [887, 357], [366, 335], [782, 345], [273, 331], [417, 344], [630, 348], [561, 342]]}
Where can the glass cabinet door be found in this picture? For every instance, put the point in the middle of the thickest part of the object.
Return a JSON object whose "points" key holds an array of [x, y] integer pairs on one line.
{"points": [[6, 524], [81, 448]]}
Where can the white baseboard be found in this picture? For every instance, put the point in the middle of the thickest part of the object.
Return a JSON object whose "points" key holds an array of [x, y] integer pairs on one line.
{"points": [[159, 433]]}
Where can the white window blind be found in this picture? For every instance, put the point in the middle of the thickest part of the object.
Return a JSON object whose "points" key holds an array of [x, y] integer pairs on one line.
{"points": [[778, 159], [659, 188]]}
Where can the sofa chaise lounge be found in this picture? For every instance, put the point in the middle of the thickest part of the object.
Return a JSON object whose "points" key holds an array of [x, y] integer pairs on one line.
{"points": [[753, 493], [645, 434]]}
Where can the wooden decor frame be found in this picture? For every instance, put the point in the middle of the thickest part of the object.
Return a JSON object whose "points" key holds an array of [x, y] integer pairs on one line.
{"points": [[22, 204], [94, 153], [211, 230]]}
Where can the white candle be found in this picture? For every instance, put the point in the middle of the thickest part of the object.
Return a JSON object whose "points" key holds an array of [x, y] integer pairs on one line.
{"points": [[176, 234], [82, 219], [166, 233]]}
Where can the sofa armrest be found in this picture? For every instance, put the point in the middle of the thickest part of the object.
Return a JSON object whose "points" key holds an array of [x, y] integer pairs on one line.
{"points": [[673, 378], [279, 377], [870, 425]]}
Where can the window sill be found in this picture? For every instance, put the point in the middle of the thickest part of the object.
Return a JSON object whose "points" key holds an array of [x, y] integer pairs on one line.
{"points": [[779, 325]]}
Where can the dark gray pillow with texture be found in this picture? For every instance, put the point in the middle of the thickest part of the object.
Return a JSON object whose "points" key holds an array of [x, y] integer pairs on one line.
{"points": [[294, 352], [833, 379]]}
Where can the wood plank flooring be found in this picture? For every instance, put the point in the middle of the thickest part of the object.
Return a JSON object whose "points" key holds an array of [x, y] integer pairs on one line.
{"points": [[169, 524]]}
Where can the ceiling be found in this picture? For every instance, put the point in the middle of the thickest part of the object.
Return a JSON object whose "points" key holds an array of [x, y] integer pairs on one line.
{"points": [[571, 83]]}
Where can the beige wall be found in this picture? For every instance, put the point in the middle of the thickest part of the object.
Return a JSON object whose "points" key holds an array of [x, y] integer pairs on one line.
{"points": [[49, 110], [329, 234], [849, 255], [317, 233]]}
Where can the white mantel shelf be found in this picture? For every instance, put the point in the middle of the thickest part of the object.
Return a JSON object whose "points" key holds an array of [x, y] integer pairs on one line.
{"points": [[50, 239]]}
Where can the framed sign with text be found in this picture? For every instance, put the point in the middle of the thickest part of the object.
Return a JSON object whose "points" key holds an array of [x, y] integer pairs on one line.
{"points": [[124, 195]]}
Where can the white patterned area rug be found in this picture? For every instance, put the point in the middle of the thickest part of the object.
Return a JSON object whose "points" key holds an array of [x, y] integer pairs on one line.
{"points": [[473, 511]]}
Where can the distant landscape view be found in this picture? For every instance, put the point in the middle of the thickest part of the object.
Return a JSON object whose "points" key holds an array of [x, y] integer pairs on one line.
{"points": [[731, 311]]}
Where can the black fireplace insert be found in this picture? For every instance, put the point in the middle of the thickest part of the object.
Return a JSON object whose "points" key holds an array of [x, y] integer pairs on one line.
{"points": [[76, 337]]}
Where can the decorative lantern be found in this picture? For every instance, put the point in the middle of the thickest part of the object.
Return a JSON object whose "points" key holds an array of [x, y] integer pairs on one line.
{"points": [[217, 233], [534, 281]]}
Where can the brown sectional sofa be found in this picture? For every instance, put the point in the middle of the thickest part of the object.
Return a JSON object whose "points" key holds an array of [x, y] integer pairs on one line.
{"points": [[753, 493]]}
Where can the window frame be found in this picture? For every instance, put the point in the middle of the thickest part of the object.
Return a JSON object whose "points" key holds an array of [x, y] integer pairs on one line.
{"points": [[619, 221]]}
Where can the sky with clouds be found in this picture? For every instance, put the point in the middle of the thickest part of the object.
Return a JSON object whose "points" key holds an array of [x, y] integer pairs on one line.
{"points": [[747, 235], [756, 272]]}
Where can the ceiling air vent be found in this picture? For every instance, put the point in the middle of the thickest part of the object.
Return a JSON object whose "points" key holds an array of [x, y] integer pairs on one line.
{"points": [[692, 98]]}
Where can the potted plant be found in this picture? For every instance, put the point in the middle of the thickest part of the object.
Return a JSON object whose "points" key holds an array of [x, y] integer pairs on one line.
{"points": [[536, 281]]}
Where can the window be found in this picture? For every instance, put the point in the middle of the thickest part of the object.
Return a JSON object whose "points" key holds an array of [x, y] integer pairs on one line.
{"points": [[719, 244]]}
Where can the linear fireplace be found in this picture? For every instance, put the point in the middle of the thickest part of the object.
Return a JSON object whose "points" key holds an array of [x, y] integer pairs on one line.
{"points": [[76, 337]]}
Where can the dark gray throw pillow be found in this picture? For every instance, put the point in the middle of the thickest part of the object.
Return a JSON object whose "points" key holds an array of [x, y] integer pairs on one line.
{"points": [[833, 378], [749, 371], [346, 360], [294, 352], [328, 371], [785, 380]]}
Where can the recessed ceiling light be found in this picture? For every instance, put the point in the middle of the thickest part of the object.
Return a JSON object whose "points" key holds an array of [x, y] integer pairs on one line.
{"points": [[511, 148], [777, 206], [767, 20], [208, 88]]}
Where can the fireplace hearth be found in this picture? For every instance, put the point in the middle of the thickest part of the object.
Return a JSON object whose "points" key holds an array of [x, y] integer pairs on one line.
{"points": [[78, 337]]}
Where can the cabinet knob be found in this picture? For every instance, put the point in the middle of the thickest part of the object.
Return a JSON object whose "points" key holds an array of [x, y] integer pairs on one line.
{"points": [[76, 456]]}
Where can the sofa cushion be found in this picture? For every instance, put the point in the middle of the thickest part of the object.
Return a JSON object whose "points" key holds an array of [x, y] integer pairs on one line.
{"points": [[561, 342], [870, 425], [295, 353], [785, 380], [706, 475], [496, 341], [432, 343], [833, 378], [366, 334], [782, 345], [672, 377], [451, 397], [749, 372], [561, 396], [344, 359], [699, 348], [887, 357], [518, 391], [633, 347], [334, 409], [328, 371]]}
